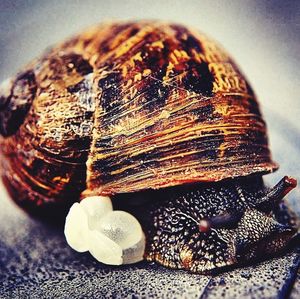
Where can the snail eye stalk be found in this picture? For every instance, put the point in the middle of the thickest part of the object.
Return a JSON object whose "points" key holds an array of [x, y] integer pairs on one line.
{"points": [[274, 195], [266, 203]]}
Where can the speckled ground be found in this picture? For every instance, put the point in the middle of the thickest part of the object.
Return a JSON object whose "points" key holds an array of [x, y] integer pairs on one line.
{"points": [[295, 293]]}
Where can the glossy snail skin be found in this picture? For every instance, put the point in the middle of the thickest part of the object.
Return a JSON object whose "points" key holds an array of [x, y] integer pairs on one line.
{"points": [[132, 106], [204, 227]]}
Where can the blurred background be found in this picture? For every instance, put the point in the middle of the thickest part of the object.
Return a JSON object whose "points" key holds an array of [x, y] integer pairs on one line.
{"points": [[262, 36]]}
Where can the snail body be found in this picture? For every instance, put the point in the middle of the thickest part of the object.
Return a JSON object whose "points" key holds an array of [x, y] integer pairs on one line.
{"points": [[136, 108]]}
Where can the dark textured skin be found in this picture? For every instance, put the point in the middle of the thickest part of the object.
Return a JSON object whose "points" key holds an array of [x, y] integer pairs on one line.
{"points": [[171, 220], [126, 107]]}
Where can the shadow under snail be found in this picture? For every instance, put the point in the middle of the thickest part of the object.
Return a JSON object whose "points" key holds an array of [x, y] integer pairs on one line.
{"points": [[158, 117]]}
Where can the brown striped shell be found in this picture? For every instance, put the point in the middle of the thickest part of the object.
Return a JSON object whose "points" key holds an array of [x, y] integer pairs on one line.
{"points": [[124, 107]]}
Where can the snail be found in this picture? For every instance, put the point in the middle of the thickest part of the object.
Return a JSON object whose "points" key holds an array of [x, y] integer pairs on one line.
{"points": [[158, 117]]}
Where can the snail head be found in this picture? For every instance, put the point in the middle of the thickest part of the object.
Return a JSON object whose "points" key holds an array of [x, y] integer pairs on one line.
{"points": [[213, 227], [259, 230]]}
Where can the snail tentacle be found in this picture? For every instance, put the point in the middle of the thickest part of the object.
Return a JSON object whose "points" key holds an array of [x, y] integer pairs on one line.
{"points": [[274, 195]]}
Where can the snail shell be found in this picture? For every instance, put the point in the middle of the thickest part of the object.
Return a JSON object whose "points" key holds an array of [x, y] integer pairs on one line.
{"points": [[124, 107]]}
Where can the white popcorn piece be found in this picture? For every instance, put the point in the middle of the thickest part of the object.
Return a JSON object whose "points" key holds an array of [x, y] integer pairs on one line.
{"points": [[112, 237], [126, 231], [76, 228], [104, 249], [135, 253], [121, 227], [96, 207]]}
